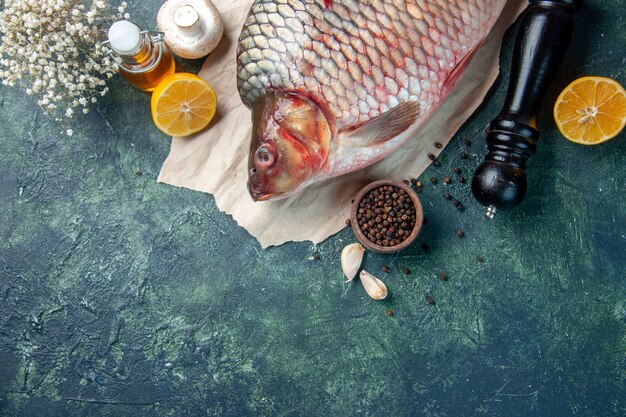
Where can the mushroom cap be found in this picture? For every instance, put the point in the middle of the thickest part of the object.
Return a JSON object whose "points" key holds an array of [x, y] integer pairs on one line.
{"points": [[192, 28]]}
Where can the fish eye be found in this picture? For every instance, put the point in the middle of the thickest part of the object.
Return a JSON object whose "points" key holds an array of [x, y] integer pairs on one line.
{"points": [[264, 156]]}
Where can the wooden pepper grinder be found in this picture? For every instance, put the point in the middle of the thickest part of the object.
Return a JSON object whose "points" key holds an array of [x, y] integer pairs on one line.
{"points": [[542, 40]]}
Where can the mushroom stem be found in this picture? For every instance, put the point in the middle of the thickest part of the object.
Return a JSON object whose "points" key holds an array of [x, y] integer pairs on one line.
{"points": [[188, 21]]}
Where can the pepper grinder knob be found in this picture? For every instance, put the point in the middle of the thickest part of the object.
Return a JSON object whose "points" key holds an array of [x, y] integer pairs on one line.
{"points": [[542, 40]]}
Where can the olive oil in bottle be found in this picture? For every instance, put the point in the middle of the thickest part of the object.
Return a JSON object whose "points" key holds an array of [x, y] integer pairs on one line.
{"points": [[144, 58]]}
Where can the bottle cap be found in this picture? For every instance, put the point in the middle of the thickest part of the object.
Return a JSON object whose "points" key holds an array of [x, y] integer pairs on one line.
{"points": [[125, 37]]}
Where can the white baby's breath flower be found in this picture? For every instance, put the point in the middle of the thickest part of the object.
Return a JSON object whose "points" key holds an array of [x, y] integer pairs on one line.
{"points": [[52, 49]]}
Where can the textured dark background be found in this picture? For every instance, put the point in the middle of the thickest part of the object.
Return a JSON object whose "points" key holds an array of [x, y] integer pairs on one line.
{"points": [[123, 297]]}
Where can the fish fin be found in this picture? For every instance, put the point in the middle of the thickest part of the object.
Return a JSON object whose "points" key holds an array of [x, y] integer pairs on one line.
{"points": [[459, 68], [385, 126]]}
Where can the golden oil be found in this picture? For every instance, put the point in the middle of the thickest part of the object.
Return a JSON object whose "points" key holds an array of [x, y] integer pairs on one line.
{"points": [[145, 59]]}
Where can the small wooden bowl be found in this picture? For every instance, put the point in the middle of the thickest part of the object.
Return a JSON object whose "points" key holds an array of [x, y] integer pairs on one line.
{"points": [[362, 238]]}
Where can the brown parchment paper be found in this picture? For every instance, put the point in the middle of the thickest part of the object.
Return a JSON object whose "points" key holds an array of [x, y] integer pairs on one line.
{"points": [[215, 160]]}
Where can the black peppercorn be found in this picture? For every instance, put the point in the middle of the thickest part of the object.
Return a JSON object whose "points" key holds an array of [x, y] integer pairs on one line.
{"points": [[385, 269], [446, 180], [431, 156], [447, 196], [433, 180], [462, 180], [464, 155], [348, 222], [406, 271], [480, 259], [456, 203], [429, 300], [459, 233], [457, 170], [438, 145], [468, 142], [386, 215], [443, 277]]}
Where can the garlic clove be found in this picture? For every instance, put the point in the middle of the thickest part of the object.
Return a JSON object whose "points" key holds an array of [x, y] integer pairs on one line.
{"points": [[351, 258], [374, 287]]}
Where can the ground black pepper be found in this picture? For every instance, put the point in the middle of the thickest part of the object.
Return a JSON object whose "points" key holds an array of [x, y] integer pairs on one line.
{"points": [[437, 163], [139, 173], [386, 215]]}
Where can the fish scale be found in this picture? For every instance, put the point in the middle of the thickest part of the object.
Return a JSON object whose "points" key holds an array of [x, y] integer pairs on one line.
{"points": [[337, 85], [360, 57]]}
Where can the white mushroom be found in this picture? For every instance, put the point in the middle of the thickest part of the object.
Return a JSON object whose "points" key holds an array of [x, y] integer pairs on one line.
{"points": [[192, 28]]}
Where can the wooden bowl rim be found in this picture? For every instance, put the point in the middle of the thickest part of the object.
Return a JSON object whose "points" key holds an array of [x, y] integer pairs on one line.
{"points": [[419, 217]]}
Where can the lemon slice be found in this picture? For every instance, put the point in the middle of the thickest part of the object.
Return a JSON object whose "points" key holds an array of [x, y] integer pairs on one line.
{"points": [[591, 110], [183, 104]]}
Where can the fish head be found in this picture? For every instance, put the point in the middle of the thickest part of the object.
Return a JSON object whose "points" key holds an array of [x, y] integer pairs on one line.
{"points": [[291, 139]]}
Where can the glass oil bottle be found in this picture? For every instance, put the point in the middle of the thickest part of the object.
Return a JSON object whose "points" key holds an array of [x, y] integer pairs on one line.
{"points": [[144, 58]]}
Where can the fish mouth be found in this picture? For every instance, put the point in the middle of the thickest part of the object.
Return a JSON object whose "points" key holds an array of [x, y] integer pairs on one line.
{"points": [[261, 197], [257, 195]]}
